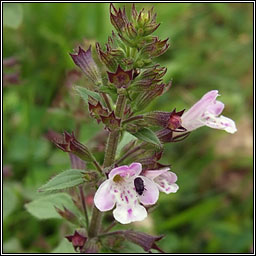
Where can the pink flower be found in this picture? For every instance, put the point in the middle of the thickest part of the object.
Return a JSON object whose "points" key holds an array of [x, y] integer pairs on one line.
{"points": [[164, 180], [206, 112], [119, 189]]}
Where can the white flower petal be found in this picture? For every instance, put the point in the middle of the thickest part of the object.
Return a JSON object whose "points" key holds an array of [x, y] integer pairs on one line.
{"points": [[194, 113], [125, 170], [165, 184], [129, 213], [151, 174], [222, 123], [104, 199], [150, 194]]}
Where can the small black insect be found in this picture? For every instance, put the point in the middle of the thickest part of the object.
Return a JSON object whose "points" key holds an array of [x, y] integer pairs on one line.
{"points": [[139, 185]]}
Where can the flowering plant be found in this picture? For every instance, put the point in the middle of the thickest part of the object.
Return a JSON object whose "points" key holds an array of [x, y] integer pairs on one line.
{"points": [[119, 88]]}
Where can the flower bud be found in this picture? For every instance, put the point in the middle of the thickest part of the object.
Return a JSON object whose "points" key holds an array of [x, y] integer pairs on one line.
{"points": [[118, 18], [111, 121], [78, 240], [174, 122], [83, 59], [156, 48], [166, 135], [68, 143], [67, 214], [147, 242], [97, 110], [171, 120], [120, 78], [109, 58], [146, 97]]}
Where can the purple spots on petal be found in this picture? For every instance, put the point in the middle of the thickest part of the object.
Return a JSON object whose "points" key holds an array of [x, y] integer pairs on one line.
{"points": [[115, 190], [130, 212], [126, 198], [128, 191]]}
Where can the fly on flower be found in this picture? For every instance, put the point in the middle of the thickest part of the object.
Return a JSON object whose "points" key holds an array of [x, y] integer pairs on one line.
{"points": [[139, 185]]}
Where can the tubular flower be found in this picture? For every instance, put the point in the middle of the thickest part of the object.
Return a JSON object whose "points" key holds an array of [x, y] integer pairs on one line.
{"points": [[120, 190], [164, 179], [206, 112], [83, 59]]}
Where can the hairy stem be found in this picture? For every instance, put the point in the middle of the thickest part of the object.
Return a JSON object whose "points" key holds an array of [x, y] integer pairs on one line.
{"points": [[109, 159]]}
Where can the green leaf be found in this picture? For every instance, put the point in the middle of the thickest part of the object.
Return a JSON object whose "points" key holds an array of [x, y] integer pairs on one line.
{"points": [[84, 93], [147, 135], [66, 179], [43, 207], [12, 15]]}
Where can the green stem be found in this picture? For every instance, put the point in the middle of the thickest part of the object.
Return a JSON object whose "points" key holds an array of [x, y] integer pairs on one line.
{"points": [[96, 164], [109, 159]]}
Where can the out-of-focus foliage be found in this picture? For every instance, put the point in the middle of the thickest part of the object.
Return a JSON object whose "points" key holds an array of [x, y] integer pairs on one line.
{"points": [[211, 48]]}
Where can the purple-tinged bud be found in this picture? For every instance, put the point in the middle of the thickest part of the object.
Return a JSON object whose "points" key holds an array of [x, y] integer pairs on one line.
{"points": [[158, 118], [146, 97], [97, 111], [118, 18], [78, 240], [147, 242], [68, 143], [106, 58], [146, 21], [170, 120], [156, 48], [174, 122], [67, 214], [83, 59], [148, 77], [111, 121], [166, 135], [120, 78], [130, 30], [134, 13], [156, 72]]}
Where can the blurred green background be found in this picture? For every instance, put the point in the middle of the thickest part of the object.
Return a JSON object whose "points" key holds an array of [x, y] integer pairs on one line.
{"points": [[211, 48]]}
